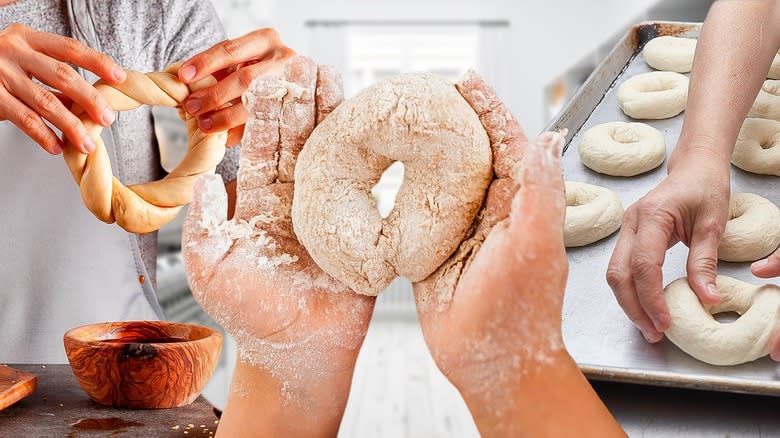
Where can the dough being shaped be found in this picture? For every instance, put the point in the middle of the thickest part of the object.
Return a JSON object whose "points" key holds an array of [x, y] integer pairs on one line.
{"points": [[670, 53], [422, 121], [622, 149], [695, 331], [758, 147], [753, 229], [654, 95], [592, 213]]}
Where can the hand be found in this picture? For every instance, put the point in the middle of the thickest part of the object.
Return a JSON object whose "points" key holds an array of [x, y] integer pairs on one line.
{"points": [[768, 268], [491, 314], [298, 330], [235, 64], [26, 53], [691, 206]]}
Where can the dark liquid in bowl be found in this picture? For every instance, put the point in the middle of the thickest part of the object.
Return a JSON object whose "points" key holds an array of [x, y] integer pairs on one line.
{"points": [[132, 340]]}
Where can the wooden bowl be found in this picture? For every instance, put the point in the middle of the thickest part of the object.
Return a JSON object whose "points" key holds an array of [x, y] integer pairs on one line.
{"points": [[143, 364]]}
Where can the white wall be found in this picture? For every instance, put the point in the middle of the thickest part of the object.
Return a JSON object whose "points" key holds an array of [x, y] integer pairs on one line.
{"points": [[546, 37]]}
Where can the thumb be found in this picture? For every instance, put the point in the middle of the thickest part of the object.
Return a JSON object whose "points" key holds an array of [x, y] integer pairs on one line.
{"points": [[703, 263], [203, 241], [768, 268], [540, 204]]}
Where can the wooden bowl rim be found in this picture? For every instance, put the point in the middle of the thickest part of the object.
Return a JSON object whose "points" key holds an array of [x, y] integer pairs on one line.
{"points": [[71, 335]]}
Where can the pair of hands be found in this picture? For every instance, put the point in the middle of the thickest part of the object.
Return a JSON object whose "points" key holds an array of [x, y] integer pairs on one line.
{"points": [[299, 331], [691, 206], [26, 54]]}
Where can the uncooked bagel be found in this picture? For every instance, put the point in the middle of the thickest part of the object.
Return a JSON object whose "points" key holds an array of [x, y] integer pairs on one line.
{"points": [[654, 95], [767, 103], [670, 53], [421, 120], [622, 149], [592, 213], [774, 69], [758, 147], [143, 208], [696, 332], [753, 229]]}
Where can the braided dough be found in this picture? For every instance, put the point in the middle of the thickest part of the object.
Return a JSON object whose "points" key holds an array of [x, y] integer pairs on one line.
{"points": [[592, 213], [654, 95], [697, 333], [753, 229], [670, 53], [622, 149], [767, 103], [757, 148], [143, 208], [421, 120]]}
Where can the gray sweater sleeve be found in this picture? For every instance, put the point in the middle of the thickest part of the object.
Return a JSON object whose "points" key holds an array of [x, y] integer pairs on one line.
{"points": [[190, 27]]}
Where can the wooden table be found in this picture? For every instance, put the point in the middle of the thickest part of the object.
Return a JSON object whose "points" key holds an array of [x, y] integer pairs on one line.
{"points": [[59, 408]]}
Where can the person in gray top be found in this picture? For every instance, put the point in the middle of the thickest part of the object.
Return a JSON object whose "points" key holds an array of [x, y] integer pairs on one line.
{"points": [[61, 267]]}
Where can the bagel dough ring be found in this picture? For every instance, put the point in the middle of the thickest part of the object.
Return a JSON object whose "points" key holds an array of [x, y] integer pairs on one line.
{"points": [[654, 95], [670, 53], [622, 148], [774, 69], [143, 208], [696, 332], [592, 213], [767, 103], [758, 147], [753, 229], [422, 121]]}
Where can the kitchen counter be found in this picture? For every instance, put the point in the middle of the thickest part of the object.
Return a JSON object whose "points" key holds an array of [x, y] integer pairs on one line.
{"points": [[60, 408]]}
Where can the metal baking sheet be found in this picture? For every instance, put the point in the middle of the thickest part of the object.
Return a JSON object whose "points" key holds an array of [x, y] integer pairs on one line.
{"points": [[598, 334]]}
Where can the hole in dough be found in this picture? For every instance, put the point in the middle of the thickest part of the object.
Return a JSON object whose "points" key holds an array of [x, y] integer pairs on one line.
{"points": [[385, 191], [624, 135], [769, 144], [726, 317], [655, 86]]}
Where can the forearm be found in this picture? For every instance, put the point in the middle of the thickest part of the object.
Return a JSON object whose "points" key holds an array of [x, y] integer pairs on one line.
{"points": [[549, 398], [263, 405], [735, 49]]}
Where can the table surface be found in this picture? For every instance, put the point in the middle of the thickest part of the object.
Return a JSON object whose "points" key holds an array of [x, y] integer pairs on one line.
{"points": [[60, 408]]}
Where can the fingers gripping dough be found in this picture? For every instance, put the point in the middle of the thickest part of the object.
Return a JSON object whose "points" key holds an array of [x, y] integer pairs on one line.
{"points": [[670, 53], [758, 147], [421, 120], [592, 213], [622, 149], [696, 332], [143, 208], [767, 103], [654, 95], [753, 229]]}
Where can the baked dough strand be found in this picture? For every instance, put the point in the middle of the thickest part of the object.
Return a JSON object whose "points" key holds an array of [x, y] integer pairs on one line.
{"points": [[143, 208]]}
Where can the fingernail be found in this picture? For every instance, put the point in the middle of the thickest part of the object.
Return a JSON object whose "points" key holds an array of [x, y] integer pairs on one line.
{"points": [[108, 117], [187, 72], [57, 148], [88, 145], [119, 74], [712, 291], [192, 105], [759, 264], [205, 124]]}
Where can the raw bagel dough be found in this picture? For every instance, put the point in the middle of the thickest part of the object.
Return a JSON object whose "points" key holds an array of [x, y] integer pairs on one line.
{"points": [[654, 95], [753, 229], [697, 333], [670, 53], [421, 120], [767, 104], [143, 208], [758, 147], [592, 213], [774, 69], [622, 149]]}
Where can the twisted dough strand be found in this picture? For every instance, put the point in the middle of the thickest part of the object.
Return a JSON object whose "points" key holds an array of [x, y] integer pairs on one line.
{"points": [[143, 208]]}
